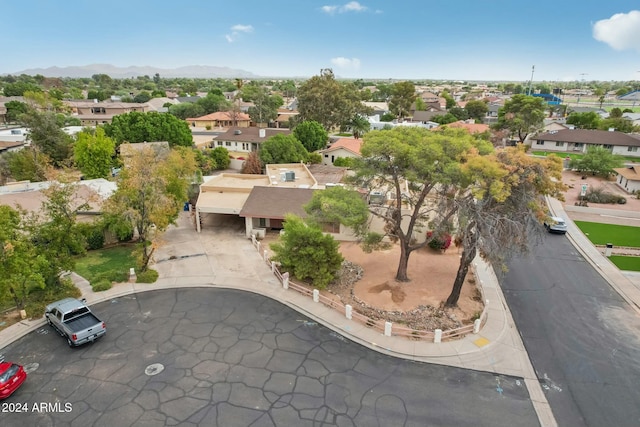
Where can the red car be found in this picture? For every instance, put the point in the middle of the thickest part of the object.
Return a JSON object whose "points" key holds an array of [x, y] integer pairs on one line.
{"points": [[11, 377]]}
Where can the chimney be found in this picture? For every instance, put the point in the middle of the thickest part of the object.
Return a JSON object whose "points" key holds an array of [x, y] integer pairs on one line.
{"points": [[612, 129], [262, 133]]}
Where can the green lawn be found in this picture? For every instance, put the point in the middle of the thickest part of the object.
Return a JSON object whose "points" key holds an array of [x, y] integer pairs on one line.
{"points": [[618, 235], [627, 263], [112, 264]]}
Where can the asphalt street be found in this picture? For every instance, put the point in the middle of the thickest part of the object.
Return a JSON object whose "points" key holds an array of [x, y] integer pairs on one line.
{"points": [[216, 357], [582, 337]]}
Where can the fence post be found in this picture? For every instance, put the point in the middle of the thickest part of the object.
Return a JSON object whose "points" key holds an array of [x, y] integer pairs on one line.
{"points": [[437, 335], [476, 326], [253, 239], [348, 311], [285, 280], [266, 255], [273, 267], [316, 295], [387, 328], [258, 244], [132, 275]]}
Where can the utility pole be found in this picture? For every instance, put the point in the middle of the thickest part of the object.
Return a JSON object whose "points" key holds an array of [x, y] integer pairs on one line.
{"points": [[582, 87], [533, 67]]}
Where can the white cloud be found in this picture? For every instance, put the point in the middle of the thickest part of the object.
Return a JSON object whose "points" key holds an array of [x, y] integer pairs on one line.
{"points": [[621, 31], [346, 63], [352, 6], [242, 28], [236, 30]]}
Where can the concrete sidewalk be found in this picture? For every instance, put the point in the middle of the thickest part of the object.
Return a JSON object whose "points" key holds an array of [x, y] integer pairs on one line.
{"points": [[228, 260]]}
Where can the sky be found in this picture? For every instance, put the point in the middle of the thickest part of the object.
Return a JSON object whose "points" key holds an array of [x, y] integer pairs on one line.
{"points": [[565, 40]]}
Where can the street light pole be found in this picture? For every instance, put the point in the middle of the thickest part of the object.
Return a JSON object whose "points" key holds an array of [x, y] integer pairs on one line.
{"points": [[533, 67]]}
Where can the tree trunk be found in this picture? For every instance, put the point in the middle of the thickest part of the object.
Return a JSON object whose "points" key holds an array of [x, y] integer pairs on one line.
{"points": [[465, 261], [401, 274]]}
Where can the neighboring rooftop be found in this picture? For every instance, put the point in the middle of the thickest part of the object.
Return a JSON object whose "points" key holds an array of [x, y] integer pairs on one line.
{"points": [[590, 136]]}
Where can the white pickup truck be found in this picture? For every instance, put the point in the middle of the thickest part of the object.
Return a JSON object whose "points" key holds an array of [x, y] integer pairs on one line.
{"points": [[74, 321]]}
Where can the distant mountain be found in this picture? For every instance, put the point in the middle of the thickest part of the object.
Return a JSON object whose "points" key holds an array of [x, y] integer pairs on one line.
{"points": [[195, 71]]}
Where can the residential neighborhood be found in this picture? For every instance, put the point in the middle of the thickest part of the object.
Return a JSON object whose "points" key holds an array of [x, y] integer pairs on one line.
{"points": [[250, 239]]}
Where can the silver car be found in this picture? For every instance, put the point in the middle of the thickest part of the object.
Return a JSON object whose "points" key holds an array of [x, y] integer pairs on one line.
{"points": [[555, 224]]}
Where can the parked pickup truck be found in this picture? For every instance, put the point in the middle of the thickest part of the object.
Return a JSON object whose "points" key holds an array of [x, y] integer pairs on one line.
{"points": [[74, 321]]}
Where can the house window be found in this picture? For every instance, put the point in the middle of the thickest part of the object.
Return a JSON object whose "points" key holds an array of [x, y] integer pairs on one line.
{"points": [[539, 142], [331, 227], [263, 222], [559, 144], [578, 145], [633, 149], [608, 146], [219, 143], [227, 143]]}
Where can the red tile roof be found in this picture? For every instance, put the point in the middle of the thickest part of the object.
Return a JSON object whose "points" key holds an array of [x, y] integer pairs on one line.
{"points": [[350, 144], [220, 115]]}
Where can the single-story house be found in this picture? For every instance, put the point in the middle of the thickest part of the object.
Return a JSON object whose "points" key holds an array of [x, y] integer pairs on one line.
{"points": [[8, 146], [245, 139], [628, 178], [426, 116], [97, 113], [227, 193], [343, 147], [221, 119], [266, 207], [30, 196], [579, 140]]}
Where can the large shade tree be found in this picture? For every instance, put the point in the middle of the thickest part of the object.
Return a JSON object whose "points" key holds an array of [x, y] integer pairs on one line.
{"points": [[152, 126], [282, 149], [522, 115], [151, 191], [329, 102], [46, 136], [499, 213], [412, 164], [403, 94], [93, 153], [311, 134]]}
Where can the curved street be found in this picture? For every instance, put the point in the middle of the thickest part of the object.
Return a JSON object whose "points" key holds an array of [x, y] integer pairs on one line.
{"points": [[232, 358], [582, 337]]}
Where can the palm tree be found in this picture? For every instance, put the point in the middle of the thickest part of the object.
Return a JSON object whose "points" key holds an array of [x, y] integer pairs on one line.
{"points": [[359, 126]]}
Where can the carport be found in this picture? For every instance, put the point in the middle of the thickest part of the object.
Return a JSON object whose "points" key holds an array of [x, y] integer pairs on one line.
{"points": [[226, 194]]}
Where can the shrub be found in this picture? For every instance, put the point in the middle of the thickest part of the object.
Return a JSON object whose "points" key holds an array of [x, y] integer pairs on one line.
{"points": [[147, 276], [439, 243], [599, 195], [343, 162], [101, 285], [93, 234]]}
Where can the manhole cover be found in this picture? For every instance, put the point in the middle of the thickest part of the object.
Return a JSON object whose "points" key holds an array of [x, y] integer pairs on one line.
{"points": [[31, 367], [154, 369]]}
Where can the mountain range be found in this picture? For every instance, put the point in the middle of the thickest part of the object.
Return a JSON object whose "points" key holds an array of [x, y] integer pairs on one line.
{"points": [[193, 71]]}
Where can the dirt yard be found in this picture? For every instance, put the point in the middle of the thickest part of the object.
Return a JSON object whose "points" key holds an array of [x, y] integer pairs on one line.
{"points": [[431, 274], [574, 181]]}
